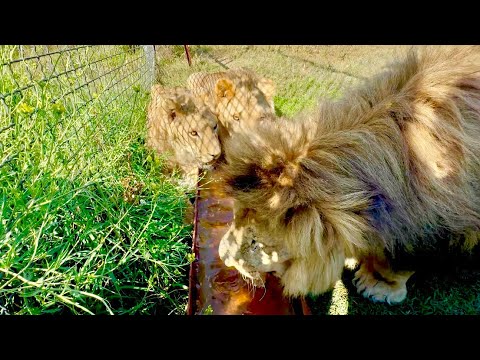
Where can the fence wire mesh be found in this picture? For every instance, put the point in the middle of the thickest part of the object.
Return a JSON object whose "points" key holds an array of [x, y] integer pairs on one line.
{"points": [[82, 206], [61, 83]]}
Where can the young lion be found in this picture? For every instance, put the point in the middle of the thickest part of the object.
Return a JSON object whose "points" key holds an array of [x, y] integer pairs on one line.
{"points": [[389, 175], [238, 97], [181, 125]]}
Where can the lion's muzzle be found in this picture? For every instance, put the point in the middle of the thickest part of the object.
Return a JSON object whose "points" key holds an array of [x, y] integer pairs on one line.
{"points": [[240, 248]]}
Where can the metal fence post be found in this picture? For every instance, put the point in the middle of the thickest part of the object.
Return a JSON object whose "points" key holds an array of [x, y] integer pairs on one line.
{"points": [[149, 51], [187, 52]]}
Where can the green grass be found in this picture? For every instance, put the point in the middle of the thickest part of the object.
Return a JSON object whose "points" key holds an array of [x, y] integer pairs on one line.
{"points": [[89, 224]]}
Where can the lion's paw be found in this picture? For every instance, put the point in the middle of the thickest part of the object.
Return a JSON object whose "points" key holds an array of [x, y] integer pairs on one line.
{"points": [[378, 290]]}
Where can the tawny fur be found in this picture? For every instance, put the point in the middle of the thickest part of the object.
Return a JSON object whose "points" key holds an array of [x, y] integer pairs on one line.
{"points": [[238, 97], [181, 127], [385, 168]]}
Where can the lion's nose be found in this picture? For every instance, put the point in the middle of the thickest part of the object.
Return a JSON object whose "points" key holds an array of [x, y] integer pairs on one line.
{"points": [[214, 157]]}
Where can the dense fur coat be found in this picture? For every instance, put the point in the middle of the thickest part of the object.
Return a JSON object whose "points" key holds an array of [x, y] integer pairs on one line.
{"points": [[391, 167]]}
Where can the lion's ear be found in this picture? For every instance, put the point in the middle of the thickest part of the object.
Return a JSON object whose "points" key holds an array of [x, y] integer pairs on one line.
{"points": [[175, 104], [225, 88], [267, 86], [185, 104], [170, 106]]}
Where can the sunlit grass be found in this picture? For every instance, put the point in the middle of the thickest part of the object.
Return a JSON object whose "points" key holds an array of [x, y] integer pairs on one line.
{"points": [[89, 224], [435, 292], [339, 301]]}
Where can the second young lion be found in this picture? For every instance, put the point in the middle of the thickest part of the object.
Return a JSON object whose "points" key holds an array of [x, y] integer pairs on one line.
{"points": [[181, 125], [238, 97]]}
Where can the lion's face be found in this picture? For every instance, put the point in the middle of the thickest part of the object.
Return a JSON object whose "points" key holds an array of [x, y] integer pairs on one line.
{"points": [[285, 219], [240, 105], [196, 133], [239, 97], [189, 125]]}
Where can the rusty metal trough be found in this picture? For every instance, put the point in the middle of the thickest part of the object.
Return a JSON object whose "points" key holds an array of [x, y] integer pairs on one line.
{"points": [[214, 288]]}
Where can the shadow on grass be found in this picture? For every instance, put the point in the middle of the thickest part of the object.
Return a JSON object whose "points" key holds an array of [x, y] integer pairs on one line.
{"points": [[453, 291], [328, 68]]}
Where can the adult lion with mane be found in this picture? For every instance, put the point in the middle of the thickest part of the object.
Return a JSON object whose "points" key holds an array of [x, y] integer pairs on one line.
{"points": [[387, 175]]}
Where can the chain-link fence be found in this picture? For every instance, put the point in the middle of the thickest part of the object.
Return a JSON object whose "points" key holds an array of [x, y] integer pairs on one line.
{"points": [[66, 82], [88, 222]]}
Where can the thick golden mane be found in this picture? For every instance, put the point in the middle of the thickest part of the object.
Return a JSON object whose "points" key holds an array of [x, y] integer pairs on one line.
{"points": [[394, 161]]}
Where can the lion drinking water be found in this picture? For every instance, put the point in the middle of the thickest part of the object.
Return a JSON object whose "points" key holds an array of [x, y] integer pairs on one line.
{"points": [[387, 173]]}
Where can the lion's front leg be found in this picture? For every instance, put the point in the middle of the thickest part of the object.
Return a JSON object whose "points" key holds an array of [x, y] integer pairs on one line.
{"points": [[376, 280]]}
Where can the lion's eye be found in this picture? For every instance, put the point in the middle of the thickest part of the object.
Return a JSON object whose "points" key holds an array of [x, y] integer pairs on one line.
{"points": [[173, 114], [236, 117], [215, 127], [193, 133]]}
